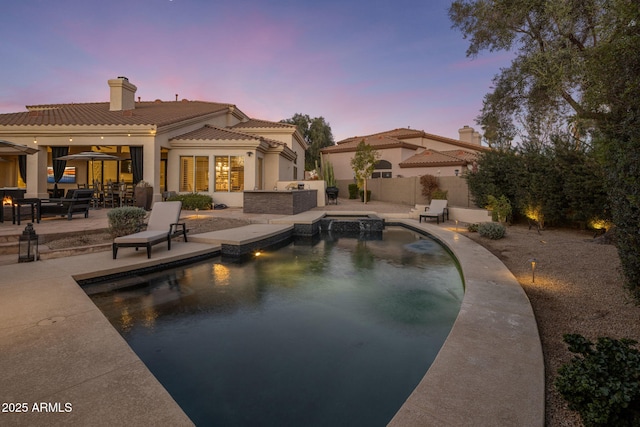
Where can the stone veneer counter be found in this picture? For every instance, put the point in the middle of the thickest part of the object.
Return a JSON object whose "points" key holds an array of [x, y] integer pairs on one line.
{"points": [[279, 202]]}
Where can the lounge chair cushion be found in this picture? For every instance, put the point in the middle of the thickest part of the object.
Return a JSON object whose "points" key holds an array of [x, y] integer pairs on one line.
{"points": [[142, 237]]}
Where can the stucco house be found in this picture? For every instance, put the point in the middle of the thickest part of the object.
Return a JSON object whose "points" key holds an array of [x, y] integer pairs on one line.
{"points": [[182, 146], [408, 152]]}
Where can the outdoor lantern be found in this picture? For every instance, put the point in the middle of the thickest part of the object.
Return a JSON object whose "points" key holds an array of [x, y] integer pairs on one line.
{"points": [[457, 171], [28, 244]]}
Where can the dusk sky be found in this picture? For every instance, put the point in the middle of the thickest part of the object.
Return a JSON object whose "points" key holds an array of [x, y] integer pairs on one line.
{"points": [[365, 66]]}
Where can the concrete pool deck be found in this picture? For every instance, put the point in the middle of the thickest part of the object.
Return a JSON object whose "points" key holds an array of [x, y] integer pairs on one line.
{"points": [[57, 348]]}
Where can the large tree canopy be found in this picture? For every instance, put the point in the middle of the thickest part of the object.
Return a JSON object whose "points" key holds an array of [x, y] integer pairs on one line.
{"points": [[564, 54], [316, 132], [576, 64]]}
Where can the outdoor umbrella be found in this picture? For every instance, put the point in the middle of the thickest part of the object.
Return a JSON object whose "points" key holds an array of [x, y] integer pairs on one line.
{"points": [[7, 147], [90, 155]]}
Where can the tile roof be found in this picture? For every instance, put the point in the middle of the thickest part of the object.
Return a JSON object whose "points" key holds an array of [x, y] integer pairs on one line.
{"points": [[406, 133], [438, 158], [462, 154], [208, 132], [377, 141], [212, 132], [157, 113], [257, 123]]}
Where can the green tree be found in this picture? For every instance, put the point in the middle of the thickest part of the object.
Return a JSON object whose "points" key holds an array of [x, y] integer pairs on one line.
{"points": [[317, 132], [499, 173], [364, 163], [575, 63], [555, 183]]}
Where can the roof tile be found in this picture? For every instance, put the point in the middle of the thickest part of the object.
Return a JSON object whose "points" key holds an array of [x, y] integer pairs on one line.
{"points": [[145, 113], [212, 132], [257, 123], [406, 133], [438, 158]]}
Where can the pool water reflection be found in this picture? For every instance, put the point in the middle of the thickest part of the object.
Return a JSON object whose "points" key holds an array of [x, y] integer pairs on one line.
{"points": [[335, 333]]}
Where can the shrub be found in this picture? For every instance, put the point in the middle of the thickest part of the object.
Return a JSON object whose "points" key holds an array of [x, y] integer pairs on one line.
{"points": [[439, 194], [353, 191], [473, 228], [429, 185], [603, 385], [193, 201], [500, 208], [329, 175], [125, 220], [492, 230]]}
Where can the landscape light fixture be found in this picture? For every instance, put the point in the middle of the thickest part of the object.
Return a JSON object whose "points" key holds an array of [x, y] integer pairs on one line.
{"points": [[533, 262]]}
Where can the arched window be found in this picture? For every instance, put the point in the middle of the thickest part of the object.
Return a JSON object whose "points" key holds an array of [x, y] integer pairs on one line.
{"points": [[382, 169], [383, 164]]}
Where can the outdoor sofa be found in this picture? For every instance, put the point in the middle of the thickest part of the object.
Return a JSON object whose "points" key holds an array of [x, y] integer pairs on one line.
{"points": [[75, 202]]}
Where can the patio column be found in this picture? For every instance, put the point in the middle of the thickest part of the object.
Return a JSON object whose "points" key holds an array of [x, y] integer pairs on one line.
{"points": [[37, 174]]}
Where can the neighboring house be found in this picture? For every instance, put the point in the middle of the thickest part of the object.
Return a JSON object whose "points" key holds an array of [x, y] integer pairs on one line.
{"points": [[408, 152], [182, 146]]}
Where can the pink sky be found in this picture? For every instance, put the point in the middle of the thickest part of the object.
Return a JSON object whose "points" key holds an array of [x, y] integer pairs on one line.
{"points": [[365, 69]]}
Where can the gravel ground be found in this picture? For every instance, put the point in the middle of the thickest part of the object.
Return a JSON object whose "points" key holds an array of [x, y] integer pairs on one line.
{"points": [[578, 289]]}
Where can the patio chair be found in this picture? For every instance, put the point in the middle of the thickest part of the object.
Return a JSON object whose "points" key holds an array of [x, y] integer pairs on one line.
{"points": [[436, 209], [162, 226]]}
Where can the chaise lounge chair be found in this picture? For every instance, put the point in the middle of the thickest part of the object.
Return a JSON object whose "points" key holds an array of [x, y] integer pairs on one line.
{"points": [[436, 209], [162, 226]]}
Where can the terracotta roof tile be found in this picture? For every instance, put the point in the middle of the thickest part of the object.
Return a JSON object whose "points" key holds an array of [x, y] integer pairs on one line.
{"points": [[377, 141], [212, 132], [257, 123], [462, 154], [406, 133], [157, 113], [438, 158], [208, 132]]}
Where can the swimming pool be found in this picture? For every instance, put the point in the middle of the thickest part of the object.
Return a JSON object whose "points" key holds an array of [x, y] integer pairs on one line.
{"points": [[335, 332]]}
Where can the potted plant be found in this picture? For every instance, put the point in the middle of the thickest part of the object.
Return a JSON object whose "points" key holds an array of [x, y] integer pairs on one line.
{"points": [[330, 178], [143, 195]]}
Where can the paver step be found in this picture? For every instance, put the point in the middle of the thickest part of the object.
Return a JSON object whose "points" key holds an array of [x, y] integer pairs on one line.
{"points": [[7, 248]]}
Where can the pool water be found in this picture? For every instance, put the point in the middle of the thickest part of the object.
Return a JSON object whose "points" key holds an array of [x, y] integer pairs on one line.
{"points": [[338, 332]]}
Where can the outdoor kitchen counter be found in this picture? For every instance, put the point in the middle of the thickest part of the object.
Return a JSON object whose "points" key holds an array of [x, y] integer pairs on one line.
{"points": [[288, 202]]}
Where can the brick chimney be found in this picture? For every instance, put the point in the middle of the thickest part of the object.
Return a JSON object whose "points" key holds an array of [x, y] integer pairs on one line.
{"points": [[122, 94], [469, 135]]}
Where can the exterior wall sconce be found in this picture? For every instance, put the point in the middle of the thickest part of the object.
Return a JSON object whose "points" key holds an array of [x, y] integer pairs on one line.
{"points": [[457, 171], [28, 244], [249, 153]]}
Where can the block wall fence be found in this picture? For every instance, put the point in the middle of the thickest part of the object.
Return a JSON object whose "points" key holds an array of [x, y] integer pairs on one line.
{"points": [[408, 191]]}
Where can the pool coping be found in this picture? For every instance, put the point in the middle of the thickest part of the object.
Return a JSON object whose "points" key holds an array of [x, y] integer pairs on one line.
{"points": [[59, 347], [490, 370]]}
